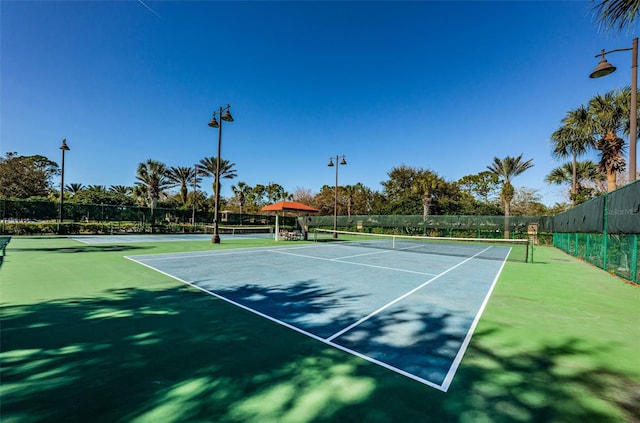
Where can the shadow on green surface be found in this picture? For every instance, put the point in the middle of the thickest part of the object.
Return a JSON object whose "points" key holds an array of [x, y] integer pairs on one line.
{"points": [[179, 355], [83, 249]]}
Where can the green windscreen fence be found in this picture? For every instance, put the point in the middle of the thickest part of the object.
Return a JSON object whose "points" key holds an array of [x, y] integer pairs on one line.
{"points": [[604, 231], [28, 217]]}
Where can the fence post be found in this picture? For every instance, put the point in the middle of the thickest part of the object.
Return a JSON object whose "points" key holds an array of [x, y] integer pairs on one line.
{"points": [[634, 258], [605, 230]]}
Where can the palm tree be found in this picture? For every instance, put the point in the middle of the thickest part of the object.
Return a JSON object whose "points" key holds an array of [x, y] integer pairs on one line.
{"points": [[426, 183], [610, 115], [275, 192], [74, 188], [208, 166], [506, 169], [241, 191], [616, 14], [151, 175], [349, 191], [181, 176], [574, 139], [587, 173], [120, 189], [139, 194], [257, 195]]}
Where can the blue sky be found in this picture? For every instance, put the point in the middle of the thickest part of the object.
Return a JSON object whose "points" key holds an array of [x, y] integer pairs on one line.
{"points": [[439, 85]]}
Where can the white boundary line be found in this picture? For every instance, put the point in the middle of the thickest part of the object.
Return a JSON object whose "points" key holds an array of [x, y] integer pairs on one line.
{"points": [[463, 348]]}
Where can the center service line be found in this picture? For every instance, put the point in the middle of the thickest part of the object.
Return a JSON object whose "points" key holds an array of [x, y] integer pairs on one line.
{"points": [[370, 315]]}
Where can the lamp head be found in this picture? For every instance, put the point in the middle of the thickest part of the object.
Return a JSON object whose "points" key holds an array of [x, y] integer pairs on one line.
{"points": [[604, 68], [214, 123], [227, 117], [330, 163], [343, 161], [64, 145]]}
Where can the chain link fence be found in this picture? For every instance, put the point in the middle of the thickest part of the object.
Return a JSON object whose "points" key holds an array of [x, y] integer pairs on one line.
{"points": [[604, 231]]}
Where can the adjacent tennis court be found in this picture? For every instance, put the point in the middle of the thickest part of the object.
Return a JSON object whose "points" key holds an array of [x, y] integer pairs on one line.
{"points": [[413, 313], [247, 232]]}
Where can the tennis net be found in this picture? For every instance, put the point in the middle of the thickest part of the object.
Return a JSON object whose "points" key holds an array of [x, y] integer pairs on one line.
{"points": [[518, 250], [246, 231]]}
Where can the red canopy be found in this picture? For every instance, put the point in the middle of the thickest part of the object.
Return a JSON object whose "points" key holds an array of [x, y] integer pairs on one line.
{"points": [[289, 205]]}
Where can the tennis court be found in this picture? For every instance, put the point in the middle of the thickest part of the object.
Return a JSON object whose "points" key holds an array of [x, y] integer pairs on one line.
{"points": [[88, 335], [413, 313]]}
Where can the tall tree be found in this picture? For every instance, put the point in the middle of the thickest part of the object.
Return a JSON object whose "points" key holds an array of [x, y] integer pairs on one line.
{"points": [[208, 166], [151, 175], [610, 115], [363, 198], [426, 183], [303, 195], [400, 182], [506, 169], [275, 192], [483, 186], [573, 139], [349, 192], [99, 194], [398, 190], [257, 195], [26, 176], [355, 198], [241, 192], [527, 202], [139, 194], [181, 177], [587, 174], [325, 200]]}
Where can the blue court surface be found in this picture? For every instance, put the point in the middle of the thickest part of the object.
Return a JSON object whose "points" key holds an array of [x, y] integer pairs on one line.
{"points": [[412, 313]]}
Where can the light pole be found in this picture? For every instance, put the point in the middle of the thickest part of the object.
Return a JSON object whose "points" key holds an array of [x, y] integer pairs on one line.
{"points": [[214, 124], [195, 182], [335, 193], [64, 147], [605, 68]]}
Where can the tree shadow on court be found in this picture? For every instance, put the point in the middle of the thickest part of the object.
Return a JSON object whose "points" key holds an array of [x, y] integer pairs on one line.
{"points": [[304, 304], [179, 355], [423, 344]]}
